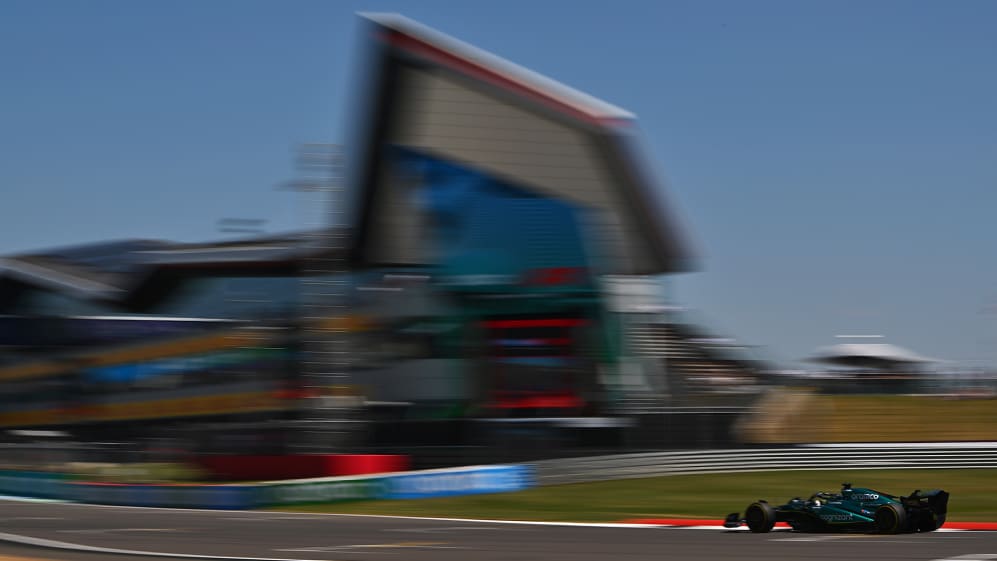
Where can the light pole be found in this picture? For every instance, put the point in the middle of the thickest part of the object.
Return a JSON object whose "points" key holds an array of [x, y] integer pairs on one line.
{"points": [[233, 301], [239, 302], [329, 415]]}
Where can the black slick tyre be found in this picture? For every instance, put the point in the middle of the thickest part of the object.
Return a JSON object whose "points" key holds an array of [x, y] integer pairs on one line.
{"points": [[890, 519], [760, 517]]}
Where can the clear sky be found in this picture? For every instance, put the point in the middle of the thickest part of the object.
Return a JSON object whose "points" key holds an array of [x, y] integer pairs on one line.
{"points": [[835, 161]]}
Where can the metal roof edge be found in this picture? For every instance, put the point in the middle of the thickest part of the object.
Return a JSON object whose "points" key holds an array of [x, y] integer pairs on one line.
{"points": [[524, 77], [654, 208], [37, 273]]}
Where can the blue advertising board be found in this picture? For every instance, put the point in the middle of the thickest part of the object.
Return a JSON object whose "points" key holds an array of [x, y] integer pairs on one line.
{"points": [[417, 485], [466, 481], [33, 484]]}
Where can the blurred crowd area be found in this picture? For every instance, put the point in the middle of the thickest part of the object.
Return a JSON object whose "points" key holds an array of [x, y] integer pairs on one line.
{"points": [[401, 363], [678, 387]]}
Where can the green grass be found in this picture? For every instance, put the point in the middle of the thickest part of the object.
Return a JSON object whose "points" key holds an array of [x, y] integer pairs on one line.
{"points": [[974, 496]]}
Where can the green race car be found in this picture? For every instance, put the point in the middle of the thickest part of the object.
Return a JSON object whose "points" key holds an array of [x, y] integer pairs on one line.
{"points": [[854, 508]]}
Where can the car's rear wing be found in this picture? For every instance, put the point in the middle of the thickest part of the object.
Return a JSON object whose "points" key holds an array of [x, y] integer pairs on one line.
{"points": [[935, 500]]}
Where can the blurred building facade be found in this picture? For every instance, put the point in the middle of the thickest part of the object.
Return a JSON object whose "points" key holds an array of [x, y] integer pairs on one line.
{"points": [[491, 269]]}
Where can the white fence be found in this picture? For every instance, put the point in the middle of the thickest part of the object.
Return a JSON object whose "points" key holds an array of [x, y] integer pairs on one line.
{"points": [[808, 457]]}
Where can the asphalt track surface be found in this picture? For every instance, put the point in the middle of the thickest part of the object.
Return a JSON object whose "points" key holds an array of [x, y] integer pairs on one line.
{"points": [[150, 534]]}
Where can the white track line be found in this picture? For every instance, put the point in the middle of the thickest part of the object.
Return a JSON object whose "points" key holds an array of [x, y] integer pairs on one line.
{"points": [[41, 542]]}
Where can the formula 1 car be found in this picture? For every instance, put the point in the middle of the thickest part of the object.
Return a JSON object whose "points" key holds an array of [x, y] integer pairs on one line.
{"points": [[855, 509]]}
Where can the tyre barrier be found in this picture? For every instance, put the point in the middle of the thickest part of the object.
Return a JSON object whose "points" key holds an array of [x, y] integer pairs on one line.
{"points": [[409, 485]]}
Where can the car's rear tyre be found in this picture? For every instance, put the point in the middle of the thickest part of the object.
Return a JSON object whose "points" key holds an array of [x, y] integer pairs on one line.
{"points": [[930, 522], [890, 519], [760, 517]]}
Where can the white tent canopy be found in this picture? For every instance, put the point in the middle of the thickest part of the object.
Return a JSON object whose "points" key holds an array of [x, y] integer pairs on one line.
{"points": [[868, 355]]}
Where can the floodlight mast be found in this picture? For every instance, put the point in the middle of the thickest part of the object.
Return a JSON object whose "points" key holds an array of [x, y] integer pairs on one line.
{"points": [[329, 415]]}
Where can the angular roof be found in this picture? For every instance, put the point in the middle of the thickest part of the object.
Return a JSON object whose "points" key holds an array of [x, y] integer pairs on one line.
{"points": [[427, 42], [435, 95]]}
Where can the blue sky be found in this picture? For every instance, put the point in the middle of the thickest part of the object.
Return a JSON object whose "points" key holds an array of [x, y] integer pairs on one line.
{"points": [[836, 162]]}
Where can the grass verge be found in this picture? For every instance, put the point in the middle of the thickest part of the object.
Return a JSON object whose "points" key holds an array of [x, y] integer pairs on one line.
{"points": [[974, 496]]}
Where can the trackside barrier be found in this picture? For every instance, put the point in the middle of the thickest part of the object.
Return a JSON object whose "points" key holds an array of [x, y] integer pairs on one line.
{"points": [[221, 497], [408, 485], [322, 490], [34, 484], [445, 483], [415, 485]]}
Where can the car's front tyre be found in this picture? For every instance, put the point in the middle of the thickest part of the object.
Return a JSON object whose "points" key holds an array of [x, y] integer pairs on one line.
{"points": [[760, 517]]}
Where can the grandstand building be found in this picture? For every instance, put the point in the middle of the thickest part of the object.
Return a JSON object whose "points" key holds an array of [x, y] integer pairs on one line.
{"points": [[464, 285]]}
